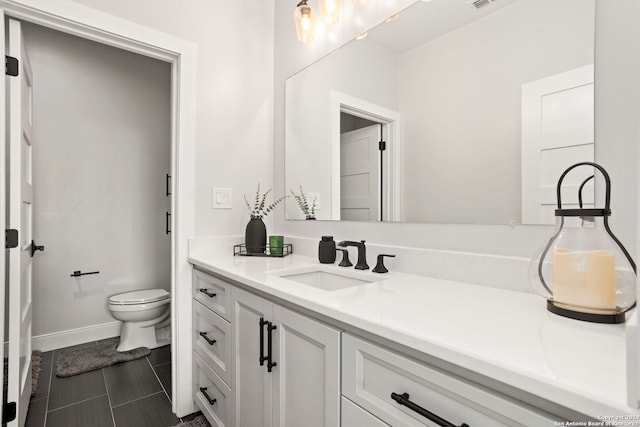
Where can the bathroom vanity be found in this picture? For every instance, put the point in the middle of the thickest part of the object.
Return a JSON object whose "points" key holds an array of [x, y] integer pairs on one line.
{"points": [[288, 341]]}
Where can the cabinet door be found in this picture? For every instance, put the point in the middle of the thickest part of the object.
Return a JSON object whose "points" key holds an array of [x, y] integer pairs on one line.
{"points": [[307, 374], [251, 383]]}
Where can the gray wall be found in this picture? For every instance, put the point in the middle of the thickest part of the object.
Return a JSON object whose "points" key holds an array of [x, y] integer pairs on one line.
{"points": [[460, 96], [101, 152]]}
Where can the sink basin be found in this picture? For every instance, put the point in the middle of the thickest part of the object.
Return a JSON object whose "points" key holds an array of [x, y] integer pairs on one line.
{"points": [[323, 279]]}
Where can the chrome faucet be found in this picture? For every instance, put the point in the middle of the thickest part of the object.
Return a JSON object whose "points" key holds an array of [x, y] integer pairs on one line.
{"points": [[362, 253]]}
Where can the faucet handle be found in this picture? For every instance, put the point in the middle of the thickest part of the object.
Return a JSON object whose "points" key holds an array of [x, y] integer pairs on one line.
{"points": [[345, 259], [380, 268]]}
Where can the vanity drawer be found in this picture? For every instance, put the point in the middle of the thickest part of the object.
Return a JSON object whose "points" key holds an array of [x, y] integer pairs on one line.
{"points": [[212, 292], [207, 385], [354, 416], [370, 374], [212, 340]]}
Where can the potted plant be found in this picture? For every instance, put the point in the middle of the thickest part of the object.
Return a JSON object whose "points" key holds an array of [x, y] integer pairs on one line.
{"points": [[309, 210], [255, 237]]}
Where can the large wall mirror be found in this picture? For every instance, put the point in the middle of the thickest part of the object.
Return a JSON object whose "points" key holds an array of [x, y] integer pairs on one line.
{"points": [[452, 111]]}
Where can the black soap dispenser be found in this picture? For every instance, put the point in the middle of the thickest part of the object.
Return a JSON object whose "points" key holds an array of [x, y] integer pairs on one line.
{"points": [[327, 250]]}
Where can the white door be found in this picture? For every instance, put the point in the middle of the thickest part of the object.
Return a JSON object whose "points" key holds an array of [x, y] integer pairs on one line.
{"points": [[306, 388], [359, 174], [557, 132], [251, 382], [20, 218], [3, 217]]}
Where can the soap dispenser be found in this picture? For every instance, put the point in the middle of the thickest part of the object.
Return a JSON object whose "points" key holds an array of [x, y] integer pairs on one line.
{"points": [[327, 250]]}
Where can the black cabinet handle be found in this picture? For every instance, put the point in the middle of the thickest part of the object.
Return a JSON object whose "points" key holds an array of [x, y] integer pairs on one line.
{"points": [[167, 223], [207, 293], [262, 356], [79, 273], [168, 185], [270, 362], [203, 390], [206, 338], [403, 399]]}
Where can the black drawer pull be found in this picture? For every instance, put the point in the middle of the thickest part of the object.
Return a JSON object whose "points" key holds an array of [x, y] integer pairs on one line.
{"points": [[403, 399], [262, 356], [207, 293], [270, 362], [203, 390], [207, 339]]}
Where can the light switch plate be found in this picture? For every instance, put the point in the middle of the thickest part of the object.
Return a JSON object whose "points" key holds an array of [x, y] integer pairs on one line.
{"points": [[221, 198]]}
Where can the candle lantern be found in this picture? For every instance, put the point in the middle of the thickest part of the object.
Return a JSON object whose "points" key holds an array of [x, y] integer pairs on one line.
{"points": [[584, 269]]}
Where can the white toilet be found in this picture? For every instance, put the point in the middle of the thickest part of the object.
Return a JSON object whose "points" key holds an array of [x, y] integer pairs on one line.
{"points": [[141, 313]]}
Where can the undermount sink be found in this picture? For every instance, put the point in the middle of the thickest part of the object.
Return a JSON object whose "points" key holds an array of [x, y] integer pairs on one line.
{"points": [[320, 278]]}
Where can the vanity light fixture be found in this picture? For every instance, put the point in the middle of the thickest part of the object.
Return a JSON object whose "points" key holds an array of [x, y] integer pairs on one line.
{"points": [[363, 2], [330, 11], [305, 21], [362, 36]]}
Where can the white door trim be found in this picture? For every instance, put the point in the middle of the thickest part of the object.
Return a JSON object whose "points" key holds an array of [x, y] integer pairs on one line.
{"points": [[339, 102], [72, 18]]}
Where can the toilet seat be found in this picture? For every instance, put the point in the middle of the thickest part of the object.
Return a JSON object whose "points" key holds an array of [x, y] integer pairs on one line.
{"points": [[145, 296]]}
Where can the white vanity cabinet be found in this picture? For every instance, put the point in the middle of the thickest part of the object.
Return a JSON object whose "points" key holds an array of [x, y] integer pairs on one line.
{"points": [[258, 363], [286, 369]]}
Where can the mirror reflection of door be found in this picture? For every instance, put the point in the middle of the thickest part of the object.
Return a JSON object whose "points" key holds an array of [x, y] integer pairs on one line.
{"points": [[557, 132], [360, 169]]}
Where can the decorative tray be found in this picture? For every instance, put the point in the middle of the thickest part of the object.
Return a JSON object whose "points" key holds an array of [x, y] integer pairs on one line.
{"points": [[268, 251]]}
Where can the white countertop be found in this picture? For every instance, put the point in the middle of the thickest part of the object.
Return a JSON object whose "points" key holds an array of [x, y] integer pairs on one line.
{"points": [[505, 335]]}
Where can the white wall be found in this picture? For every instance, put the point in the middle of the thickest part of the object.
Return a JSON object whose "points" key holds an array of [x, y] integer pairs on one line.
{"points": [[234, 146], [617, 110], [101, 151], [460, 96]]}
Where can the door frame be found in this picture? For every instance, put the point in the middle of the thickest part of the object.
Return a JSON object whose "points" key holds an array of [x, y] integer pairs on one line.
{"points": [[79, 20], [390, 120]]}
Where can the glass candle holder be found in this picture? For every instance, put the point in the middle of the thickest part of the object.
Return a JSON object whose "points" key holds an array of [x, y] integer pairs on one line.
{"points": [[275, 245]]}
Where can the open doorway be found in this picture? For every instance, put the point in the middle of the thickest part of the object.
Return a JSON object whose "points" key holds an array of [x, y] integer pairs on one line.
{"points": [[366, 151], [181, 56]]}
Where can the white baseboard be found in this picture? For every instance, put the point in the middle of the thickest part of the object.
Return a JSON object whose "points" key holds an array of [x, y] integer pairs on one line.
{"points": [[77, 336]]}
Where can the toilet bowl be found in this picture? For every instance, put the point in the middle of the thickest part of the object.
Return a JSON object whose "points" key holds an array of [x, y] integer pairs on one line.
{"points": [[140, 312]]}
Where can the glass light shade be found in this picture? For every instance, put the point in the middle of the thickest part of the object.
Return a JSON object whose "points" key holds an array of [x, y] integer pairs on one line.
{"points": [[330, 11], [305, 21], [584, 269]]}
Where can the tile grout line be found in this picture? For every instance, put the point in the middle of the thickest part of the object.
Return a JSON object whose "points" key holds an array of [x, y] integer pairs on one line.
{"points": [[138, 398], [75, 403], [46, 408], [158, 378], [106, 387]]}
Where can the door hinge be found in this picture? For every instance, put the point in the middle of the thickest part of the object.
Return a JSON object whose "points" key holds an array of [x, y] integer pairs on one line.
{"points": [[10, 65], [11, 238], [8, 412], [382, 145]]}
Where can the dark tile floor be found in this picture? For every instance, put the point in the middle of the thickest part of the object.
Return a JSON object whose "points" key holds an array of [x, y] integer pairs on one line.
{"points": [[130, 394]]}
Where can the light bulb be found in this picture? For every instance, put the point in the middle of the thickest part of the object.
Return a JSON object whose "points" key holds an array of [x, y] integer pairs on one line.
{"points": [[330, 11], [305, 21]]}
